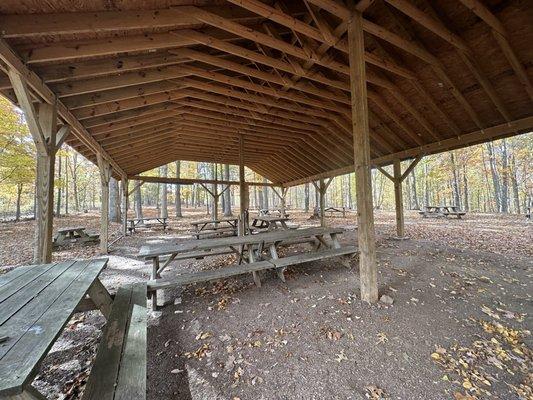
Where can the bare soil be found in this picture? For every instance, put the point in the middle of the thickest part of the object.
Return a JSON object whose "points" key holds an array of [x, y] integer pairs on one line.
{"points": [[458, 328]]}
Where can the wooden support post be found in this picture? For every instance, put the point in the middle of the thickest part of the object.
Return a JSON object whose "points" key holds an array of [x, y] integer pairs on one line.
{"points": [[365, 231], [398, 199], [125, 198], [215, 195], [283, 199], [42, 123], [322, 197], [105, 175], [243, 189]]}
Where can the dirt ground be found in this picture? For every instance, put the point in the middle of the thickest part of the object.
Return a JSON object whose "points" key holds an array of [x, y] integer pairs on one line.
{"points": [[458, 328]]}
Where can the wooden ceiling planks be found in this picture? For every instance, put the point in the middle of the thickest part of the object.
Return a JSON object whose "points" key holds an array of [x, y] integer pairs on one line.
{"points": [[185, 81]]}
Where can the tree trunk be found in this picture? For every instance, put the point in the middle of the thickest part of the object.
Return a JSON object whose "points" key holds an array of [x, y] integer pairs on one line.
{"points": [[265, 193], [178, 191], [74, 175], [66, 184], [416, 205], [426, 184], [514, 184], [227, 194], [58, 202], [505, 178], [19, 195], [138, 201], [306, 197], [163, 172], [466, 195], [495, 177], [455, 181]]}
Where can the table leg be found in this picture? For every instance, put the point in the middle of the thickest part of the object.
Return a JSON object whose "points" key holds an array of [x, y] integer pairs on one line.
{"points": [[274, 255], [335, 241], [255, 274], [101, 297], [155, 267], [284, 225]]}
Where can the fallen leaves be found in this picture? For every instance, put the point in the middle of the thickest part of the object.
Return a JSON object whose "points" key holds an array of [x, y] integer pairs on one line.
{"points": [[373, 392]]}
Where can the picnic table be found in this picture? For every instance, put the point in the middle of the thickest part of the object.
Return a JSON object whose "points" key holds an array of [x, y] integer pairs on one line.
{"points": [[210, 227], [268, 223], [146, 223], [76, 234], [36, 302], [250, 254], [273, 211], [441, 211], [336, 210]]}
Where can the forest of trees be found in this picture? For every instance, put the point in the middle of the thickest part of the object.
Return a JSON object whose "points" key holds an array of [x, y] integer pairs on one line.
{"points": [[490, 177]]}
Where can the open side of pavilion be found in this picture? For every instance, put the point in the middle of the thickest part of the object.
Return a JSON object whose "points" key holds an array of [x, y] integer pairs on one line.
{"points": [[297, 91]]}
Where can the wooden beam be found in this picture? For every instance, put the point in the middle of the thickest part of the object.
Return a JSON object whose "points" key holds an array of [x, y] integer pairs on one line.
{"points": [[28, 25], [365, 232], [8, 56], [187, 181], [500, 34], [523, 125]]}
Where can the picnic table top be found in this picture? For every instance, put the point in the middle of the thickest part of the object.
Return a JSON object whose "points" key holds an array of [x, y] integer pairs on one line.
{"points": [[151, 251], [71, 229], [207, 221], [36, 302], [270, 218]]}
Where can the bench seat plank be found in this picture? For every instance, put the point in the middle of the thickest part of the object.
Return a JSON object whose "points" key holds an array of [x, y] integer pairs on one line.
{"points": [[314, 256], [121, 358], [205, 276]]}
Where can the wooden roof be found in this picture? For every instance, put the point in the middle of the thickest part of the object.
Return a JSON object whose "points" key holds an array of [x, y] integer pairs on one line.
{"points": [[150, 82]]}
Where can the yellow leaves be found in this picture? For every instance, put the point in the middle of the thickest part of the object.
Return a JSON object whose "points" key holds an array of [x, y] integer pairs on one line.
{"points": [[435, 356], [467, 384], [199, 353], [382, 338], [203, 335]]}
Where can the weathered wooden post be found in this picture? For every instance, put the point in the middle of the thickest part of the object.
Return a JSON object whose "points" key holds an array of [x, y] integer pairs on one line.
{"points": [[365, 231], [243, 190], [397, 178], [398, 198], [125, 198], [42, 124], [105, 175]]}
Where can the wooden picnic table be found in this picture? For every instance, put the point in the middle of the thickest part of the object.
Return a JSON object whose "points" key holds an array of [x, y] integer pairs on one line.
{"points": [[142, 222], [210, 227], [441, 211], [73, 235], [36, 302], [268, 222], [249, 249], [274, 211]]}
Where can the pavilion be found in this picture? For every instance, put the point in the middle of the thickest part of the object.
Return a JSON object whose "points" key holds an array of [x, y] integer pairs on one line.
{"points": [[298, 91]]}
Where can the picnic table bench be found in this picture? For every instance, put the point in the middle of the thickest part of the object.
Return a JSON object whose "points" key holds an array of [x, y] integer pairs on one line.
{"points": [[119, 370], [249, 250], [218, 227], [36, 302], [76, 234], [146, 223], [441, 212]]}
